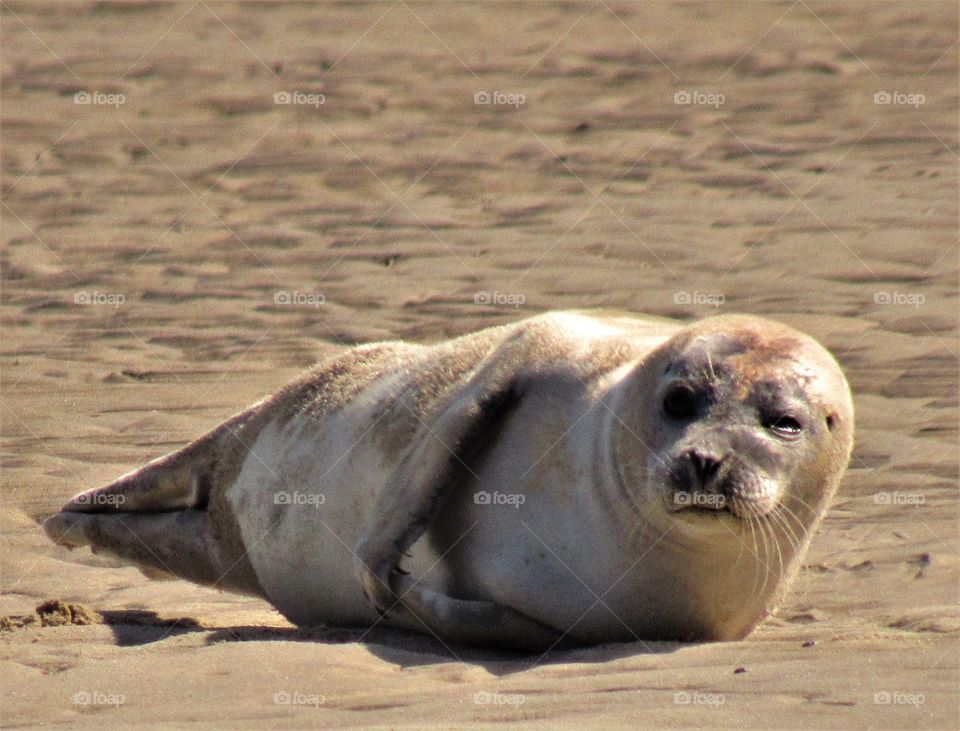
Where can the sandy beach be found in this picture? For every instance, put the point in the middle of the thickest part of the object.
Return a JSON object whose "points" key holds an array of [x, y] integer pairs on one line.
{"points": [[201, 199]]}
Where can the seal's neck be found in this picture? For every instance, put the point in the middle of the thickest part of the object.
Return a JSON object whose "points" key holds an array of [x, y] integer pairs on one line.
{"points": [[621, 447]]}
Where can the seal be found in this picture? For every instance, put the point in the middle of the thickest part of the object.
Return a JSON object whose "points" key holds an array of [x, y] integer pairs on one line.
{"points": [[572, 478]]}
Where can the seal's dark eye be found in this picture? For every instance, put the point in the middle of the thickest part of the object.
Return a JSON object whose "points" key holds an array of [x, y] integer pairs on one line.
{"points": [[680, 402], [783, 425]]}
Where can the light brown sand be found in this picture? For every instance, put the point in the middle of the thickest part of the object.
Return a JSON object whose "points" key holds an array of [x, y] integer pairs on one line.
{"points": [[199, 201]]}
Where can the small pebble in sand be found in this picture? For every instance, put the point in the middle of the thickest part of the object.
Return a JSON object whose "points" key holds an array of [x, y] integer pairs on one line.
{"points": [[809, 643], [922, 561], [739, 670]]}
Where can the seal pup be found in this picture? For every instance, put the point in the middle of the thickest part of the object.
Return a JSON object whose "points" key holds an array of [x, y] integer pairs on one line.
{"points": [[575, 477]]}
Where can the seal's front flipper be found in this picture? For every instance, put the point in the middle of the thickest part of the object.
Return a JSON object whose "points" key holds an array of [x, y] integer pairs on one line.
{"points": [[442, 451], [416, 489], [478, 623]]}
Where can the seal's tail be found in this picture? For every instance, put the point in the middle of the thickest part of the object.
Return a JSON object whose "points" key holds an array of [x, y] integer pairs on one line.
{"points": [[156, 516]]}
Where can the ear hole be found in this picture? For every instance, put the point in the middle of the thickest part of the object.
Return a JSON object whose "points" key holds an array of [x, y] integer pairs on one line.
{"points": [[831, 421]]}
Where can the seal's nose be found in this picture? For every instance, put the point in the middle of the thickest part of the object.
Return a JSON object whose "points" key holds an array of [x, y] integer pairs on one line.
{"points": [[704, 466]]}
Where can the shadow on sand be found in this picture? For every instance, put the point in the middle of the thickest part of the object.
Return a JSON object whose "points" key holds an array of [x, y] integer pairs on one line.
{"points": [[399, 647]]}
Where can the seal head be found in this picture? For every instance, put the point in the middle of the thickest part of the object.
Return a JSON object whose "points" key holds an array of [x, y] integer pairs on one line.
{"points": [[748, 427]]}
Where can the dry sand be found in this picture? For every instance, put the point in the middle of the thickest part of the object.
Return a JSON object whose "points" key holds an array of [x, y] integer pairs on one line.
{"points": [[184, 213]]}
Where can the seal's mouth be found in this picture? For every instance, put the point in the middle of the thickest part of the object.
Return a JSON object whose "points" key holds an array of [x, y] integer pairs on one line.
{"points": [[706, 512], [713, 506]]}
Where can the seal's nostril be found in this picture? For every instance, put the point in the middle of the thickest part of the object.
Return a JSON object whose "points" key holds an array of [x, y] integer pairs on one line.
{"points": [[705, 467]]}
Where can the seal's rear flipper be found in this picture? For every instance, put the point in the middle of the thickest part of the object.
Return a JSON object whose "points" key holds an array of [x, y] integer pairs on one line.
{"points": [[171, 543], [175, 481], [156, 517]]}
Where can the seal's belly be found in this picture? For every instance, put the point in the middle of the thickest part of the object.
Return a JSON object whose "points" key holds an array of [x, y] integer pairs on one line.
{"points": [[303, 498]]}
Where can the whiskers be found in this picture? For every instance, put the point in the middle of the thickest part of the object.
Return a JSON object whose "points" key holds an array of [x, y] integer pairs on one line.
{"points": [[779, 533], [768, 543]]}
